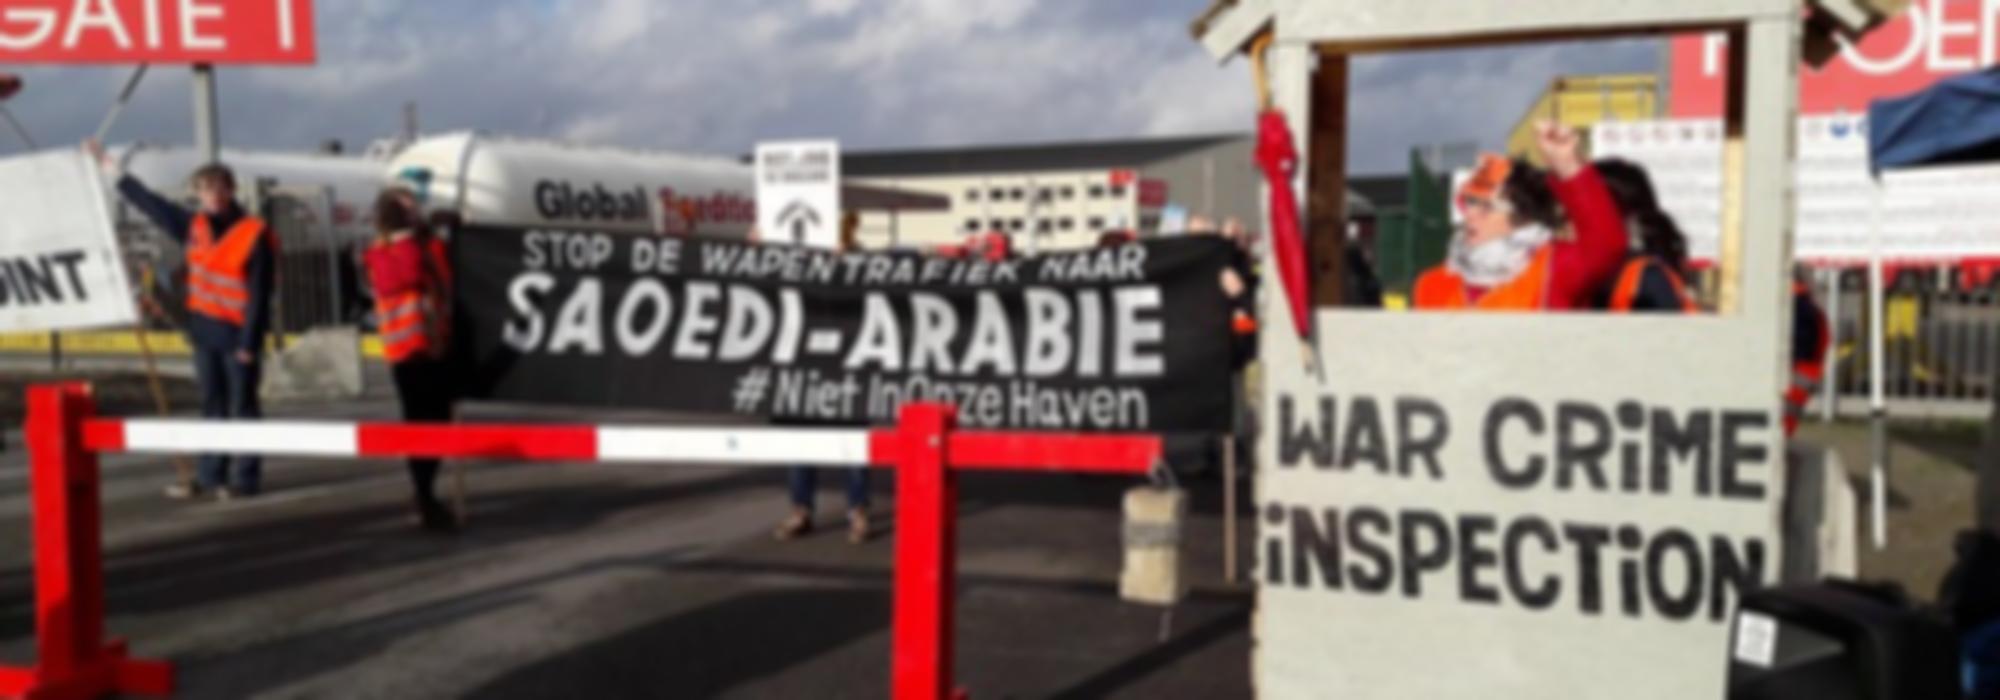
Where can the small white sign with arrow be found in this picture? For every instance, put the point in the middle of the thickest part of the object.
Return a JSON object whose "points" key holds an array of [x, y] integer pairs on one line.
{"points": [[798, 193]]}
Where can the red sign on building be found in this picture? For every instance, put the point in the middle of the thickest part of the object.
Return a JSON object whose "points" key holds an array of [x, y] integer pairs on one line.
{"points": [[1934, 40], [157, 31]]}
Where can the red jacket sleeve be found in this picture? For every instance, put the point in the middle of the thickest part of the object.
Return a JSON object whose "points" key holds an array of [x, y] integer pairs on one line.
{"points": [[397, 268], [1585, 265]]}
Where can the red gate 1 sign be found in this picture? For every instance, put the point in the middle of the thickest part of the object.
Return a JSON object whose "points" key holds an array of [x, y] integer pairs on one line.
{"points": [[1934, 40], [157, 31]]}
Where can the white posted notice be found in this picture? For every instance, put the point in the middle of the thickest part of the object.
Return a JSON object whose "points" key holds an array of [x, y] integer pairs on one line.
{"points": [[59, 262], [798, 193], [1940, 213]]}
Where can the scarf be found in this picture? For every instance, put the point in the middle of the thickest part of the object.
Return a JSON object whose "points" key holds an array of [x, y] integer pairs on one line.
{"points": [[1498, 261]]}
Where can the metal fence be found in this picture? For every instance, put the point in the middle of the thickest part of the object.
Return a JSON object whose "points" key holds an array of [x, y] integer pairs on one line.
{"points": [[316, 281], [1940, 343]]}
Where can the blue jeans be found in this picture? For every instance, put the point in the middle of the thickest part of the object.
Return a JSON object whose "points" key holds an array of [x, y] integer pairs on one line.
{"points": [[228, 391], [805, 480]]}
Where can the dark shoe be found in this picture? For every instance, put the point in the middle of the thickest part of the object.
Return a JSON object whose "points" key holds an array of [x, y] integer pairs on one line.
{"points": [[794, 526], [435, 516]]}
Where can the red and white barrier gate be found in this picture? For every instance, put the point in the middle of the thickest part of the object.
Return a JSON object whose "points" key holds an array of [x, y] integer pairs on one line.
{"points": [[65, 436]]}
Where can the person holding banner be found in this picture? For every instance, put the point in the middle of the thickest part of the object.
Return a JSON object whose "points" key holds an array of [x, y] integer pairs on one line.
{"points": [[1510, 254], [1655, 272], [803, 481], [411, 278], [231, 262]]}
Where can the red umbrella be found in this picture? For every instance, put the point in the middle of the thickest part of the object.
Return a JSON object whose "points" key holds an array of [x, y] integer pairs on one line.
{"points": [[1278, 157]]}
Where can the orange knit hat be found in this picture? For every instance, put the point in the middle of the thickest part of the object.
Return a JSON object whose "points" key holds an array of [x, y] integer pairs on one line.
{"points": [[1487, 180]]}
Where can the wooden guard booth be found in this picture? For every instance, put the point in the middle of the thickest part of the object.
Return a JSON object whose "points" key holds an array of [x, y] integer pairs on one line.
{"points": [[1427, 526]]}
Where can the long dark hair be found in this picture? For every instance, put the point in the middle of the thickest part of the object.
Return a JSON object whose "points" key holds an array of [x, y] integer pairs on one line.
{"points": [[392, 215], [1633, 190], [1527, 191]]}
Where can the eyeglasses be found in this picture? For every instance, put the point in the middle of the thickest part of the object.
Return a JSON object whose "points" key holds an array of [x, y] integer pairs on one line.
{"points": [[1476, 205]]}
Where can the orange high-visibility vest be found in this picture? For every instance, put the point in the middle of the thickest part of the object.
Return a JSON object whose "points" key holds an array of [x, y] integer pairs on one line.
{"points": [[1626, 291], [218, 274], [405, 322], [410, 322], [1440, 289]]}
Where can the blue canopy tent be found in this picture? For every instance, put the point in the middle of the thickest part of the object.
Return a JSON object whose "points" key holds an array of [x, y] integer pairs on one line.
{"points": [[1956, 120]]}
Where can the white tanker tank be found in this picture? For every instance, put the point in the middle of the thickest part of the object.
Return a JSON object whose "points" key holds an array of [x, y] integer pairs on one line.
{"points": [[520, 182]]}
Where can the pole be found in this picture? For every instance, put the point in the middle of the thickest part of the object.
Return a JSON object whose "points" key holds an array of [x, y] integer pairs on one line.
{"points": [[207, 125], [336, 292], [926, 557], [1829, 405], [74, 659], [1229, 509], [183, 471], [1878, 447], [118, 107], [19, 130]]}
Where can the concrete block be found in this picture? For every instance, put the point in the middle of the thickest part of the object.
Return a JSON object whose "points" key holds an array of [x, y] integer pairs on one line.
{"points": [[1153, 522], [322, 364]]}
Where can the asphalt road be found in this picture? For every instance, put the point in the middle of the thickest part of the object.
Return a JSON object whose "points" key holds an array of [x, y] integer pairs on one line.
{"points": [[591, 581]]}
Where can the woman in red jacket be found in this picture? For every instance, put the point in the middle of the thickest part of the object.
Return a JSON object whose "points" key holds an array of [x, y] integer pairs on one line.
{"points": [[411, 278], [1510, 256]]}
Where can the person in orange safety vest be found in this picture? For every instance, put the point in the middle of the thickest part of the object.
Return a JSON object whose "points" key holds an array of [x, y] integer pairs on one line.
{"points": [[1511, 254], [231, 273], [410, 275]]}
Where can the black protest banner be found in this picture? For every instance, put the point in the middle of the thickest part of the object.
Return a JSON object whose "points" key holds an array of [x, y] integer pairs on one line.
{"points": [[1133, 338]]}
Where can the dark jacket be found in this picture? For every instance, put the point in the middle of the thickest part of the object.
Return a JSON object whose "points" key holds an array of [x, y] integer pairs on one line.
{"points": [[1364, 289], [1660, 288], [178, 222]]}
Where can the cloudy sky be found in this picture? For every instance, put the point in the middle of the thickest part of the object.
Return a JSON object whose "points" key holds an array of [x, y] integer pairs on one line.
{"points": [[717, 75]]}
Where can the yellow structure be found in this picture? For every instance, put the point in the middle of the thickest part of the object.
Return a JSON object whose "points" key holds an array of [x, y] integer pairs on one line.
{"points": [[126, 343], [1582, 101]]}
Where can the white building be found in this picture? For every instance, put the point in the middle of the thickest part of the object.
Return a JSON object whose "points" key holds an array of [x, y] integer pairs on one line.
{"points": [[1059, 195]]}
